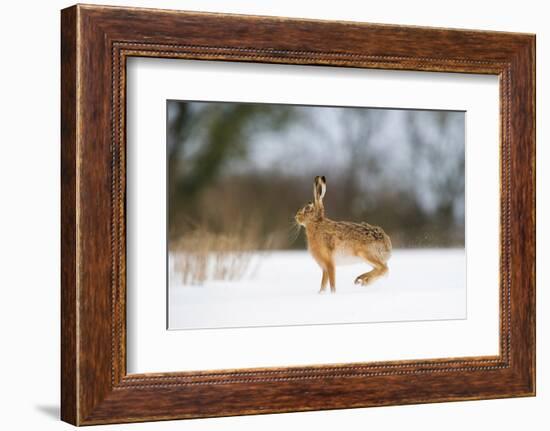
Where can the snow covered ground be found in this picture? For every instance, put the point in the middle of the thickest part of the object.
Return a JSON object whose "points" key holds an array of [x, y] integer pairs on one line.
{"points": [[283, 290]]}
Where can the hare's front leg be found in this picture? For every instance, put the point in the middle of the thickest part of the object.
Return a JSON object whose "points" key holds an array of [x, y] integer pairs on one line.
{"points": [[328, 275], [324, 281], [331, 277]]}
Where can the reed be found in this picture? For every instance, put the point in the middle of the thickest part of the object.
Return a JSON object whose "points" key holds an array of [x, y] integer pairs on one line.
{"points": [[201, 255]]}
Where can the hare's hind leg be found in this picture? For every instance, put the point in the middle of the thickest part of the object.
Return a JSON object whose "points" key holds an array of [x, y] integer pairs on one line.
{"points": [[379, 269]]}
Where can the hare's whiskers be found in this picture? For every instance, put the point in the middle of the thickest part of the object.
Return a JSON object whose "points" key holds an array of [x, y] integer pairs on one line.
{"points": [[294, 231]]}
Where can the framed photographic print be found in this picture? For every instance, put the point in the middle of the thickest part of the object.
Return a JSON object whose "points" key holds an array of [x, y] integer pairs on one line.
{"points": [[267, 215]]}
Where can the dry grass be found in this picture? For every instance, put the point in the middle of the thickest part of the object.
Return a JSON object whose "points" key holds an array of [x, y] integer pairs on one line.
{"points": [[201, 255]]}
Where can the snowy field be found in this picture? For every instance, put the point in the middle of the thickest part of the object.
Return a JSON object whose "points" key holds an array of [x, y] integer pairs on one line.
{"points": [[282, 289]]}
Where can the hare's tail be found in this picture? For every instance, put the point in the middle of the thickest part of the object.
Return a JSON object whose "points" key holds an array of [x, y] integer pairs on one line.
{"points": [[385, 248]]}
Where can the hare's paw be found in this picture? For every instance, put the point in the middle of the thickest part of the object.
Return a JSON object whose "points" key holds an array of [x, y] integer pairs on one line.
{"points": [[363, 280]]}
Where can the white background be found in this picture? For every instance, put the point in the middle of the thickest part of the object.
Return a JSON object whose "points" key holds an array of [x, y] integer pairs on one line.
{"points": [[152, 349], [29, 228]]}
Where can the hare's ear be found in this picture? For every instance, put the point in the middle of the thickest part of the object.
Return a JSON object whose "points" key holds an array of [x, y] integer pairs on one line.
{"points": [[319, 190]]}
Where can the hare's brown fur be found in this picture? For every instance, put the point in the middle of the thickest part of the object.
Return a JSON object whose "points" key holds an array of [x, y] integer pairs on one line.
{"points": [[328, 238]]}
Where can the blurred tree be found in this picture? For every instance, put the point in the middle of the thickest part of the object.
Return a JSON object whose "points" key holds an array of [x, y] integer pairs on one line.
{"points": [[440, 163], [204, 137]]}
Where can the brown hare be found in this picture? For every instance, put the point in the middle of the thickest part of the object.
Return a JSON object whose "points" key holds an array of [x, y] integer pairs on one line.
{"points": [[329, 240]]}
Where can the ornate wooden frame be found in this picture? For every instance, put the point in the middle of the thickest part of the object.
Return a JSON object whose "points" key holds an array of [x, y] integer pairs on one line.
{"points": [[95, 43]]}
